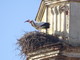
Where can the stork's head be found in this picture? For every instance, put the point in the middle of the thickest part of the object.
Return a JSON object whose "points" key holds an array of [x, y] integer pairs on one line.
{"points": [[28, 21]]}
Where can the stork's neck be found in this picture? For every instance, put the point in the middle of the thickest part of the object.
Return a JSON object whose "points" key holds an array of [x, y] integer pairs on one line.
{"points": [[33, 23]]}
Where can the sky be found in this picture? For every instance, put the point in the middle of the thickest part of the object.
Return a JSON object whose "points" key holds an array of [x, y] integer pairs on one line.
{"points": [[13, 13]]}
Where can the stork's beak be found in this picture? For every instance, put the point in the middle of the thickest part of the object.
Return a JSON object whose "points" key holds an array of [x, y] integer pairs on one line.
{"points": [[26, 21]]}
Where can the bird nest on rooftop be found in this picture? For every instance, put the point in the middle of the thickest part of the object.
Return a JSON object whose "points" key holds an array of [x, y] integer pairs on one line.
{"points": [[33, 41]]}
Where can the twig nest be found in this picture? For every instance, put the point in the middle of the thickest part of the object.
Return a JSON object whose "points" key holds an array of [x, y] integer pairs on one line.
{"points": [[32, 41]]}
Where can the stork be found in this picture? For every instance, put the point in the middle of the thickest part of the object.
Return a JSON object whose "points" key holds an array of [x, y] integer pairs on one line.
{"points": [[38, 26]]}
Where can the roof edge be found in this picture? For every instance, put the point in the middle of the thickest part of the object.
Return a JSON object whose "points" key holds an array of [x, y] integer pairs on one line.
{"points": [[40, 10]]}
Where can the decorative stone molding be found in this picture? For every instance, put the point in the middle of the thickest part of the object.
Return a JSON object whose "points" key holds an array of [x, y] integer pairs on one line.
{"points": [[52, 51], [63, 8], [44, 55], [72, 52]]}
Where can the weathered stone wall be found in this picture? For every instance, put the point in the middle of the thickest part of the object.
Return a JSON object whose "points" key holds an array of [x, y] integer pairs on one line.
{"points": [[74, 28]]}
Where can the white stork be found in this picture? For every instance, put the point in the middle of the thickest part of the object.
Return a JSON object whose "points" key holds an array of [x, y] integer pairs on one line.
{"points": [[41, 25]]}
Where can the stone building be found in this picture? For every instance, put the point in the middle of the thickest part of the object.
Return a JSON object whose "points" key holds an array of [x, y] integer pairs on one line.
{"points": [[64, 19]]}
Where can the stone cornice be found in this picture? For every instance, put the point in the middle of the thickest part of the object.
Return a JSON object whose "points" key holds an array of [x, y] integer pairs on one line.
{"points": [[44, 3], [42, 8], [44, 55], [40, 11], [63, 0], [72, 52], [50, 2]]}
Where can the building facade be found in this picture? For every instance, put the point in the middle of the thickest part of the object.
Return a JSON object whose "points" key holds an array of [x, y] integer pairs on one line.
{"points": [[64, 18]]}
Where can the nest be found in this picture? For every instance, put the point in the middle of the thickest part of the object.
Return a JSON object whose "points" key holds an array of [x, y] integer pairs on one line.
{"points": [[33, 41]]}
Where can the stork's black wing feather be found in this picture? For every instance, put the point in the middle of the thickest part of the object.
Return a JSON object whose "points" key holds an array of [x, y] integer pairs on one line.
{"points": [[45, 25]]}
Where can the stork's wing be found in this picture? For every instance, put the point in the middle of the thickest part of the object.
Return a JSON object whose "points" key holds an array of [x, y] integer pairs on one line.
{"points": [[40, 24], [45, 25]]}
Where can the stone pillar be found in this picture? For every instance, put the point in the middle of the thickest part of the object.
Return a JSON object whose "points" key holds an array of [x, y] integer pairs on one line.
{"points": [[58, 20], [55, 12]]}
